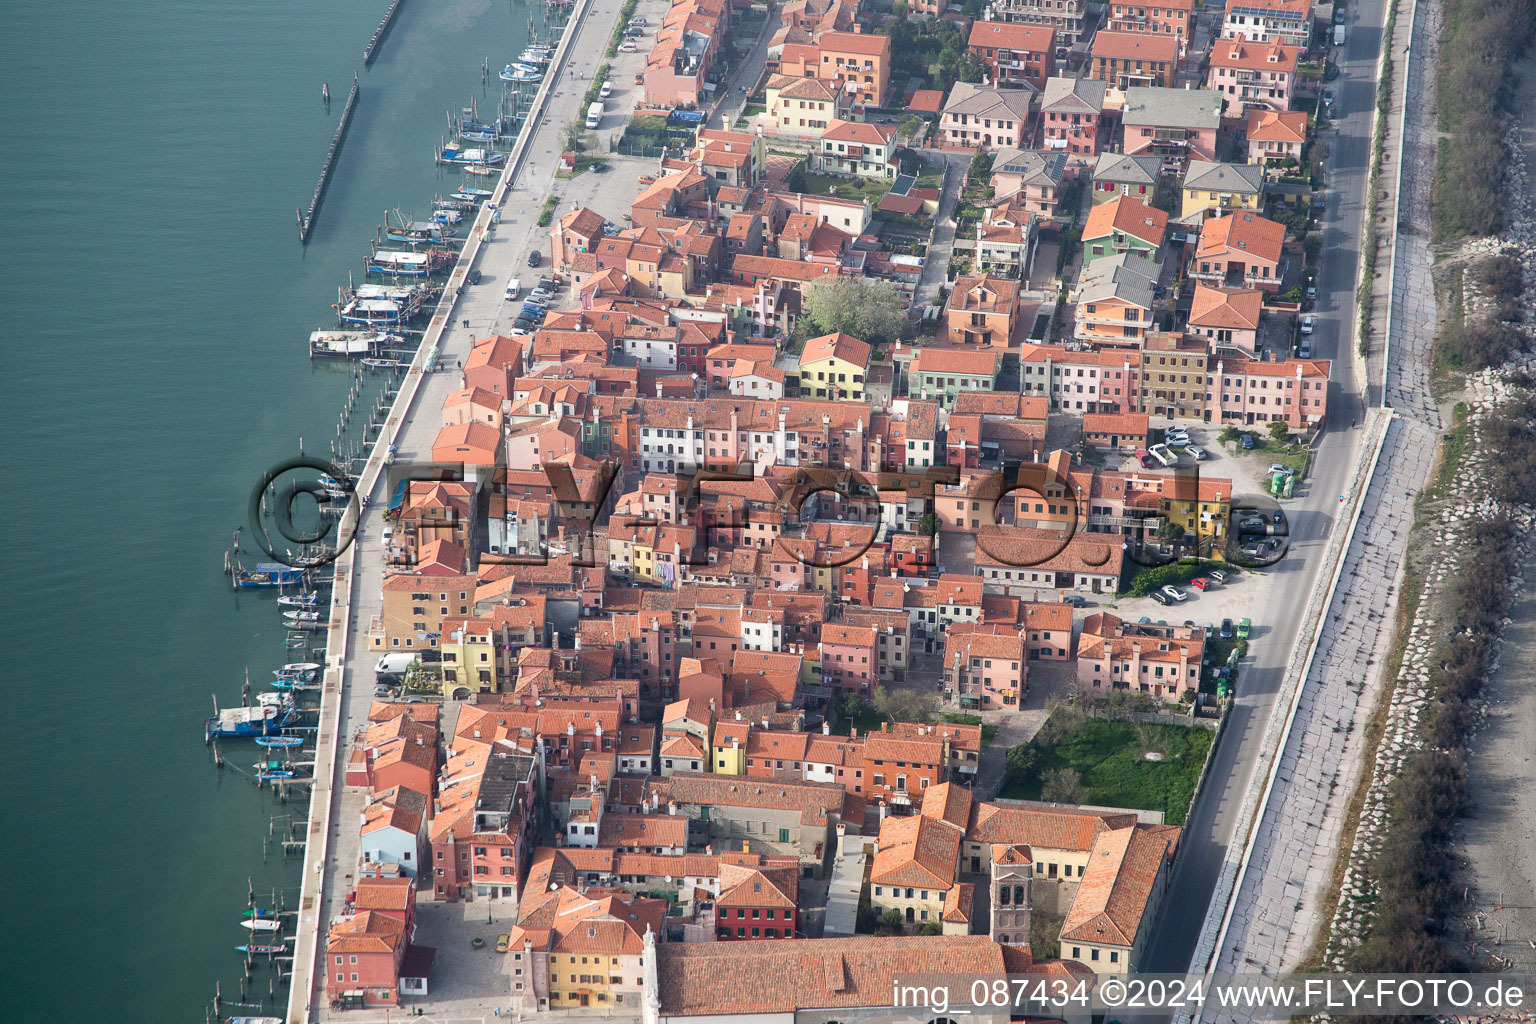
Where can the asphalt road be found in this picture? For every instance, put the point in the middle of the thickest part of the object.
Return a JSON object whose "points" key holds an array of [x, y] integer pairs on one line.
{"points": [[1214, 818]]}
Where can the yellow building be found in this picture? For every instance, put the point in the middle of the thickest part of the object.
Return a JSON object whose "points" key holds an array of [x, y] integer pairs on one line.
{"points": [[1201, 506], [1218, 189], [570, 951], [469, 657], [915, 867], [834, 366], [728, 748]]}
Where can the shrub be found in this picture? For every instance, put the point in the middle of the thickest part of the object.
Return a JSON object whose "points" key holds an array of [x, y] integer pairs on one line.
{"points": [[1477, 346]]}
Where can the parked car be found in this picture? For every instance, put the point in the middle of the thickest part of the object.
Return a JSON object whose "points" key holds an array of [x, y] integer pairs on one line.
{"points": [[1327, 95], [606, 90], [1311, 293], [1163, 454], [1195, 452], [1304, 350], [1218, 575], [474, 276], [1306, 325], [1276, 467], [1160, 598], [1226, 629], [627, 47], [1252, 524], [1246, 442], [503, 942], [1244, 627], [514, 286], [1176, 435], [1174, 593], [1144, 457], [599, 167], [1200, 583], [535, 258]]}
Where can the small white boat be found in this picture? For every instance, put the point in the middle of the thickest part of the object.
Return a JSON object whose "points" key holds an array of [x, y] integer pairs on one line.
{"points": [[273, 700], [347, 344], [262, 924]]}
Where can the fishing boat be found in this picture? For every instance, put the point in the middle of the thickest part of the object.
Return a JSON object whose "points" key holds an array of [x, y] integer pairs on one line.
{"points": [[279, 741], [271, 773], [262, 924], [419, 232], [455, 153], [537, 54], [447, 216], [304, 671], [241, 722], [482, 136], [262, 948], [517, 72], [380, 304], [270, 574], [349, 344], [307, 599]]}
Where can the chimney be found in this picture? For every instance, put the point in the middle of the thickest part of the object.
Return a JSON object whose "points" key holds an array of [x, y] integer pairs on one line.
{"points": [[672, 807], [826, 728], [709, 849]]}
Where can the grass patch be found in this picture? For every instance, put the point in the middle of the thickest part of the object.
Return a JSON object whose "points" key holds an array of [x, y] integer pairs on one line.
{"points": [[1267, 447], [1453, 445], [1110, 758], [547, 215], [988, 732], [846, 188]]}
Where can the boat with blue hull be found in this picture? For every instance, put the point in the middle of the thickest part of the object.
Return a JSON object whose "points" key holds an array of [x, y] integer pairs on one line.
{"points": [[520, 72], [411, 262], [455, 153], [239, 723], [383, 305], [279, 741], [271, 574]]}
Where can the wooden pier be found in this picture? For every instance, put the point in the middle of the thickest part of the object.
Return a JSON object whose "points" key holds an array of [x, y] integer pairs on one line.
{"points": [[372, 49], [307, 220]]}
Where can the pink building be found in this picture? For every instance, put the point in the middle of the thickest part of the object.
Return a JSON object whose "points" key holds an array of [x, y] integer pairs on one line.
{"points": [[1245, 391], [985, 665], [1252, 76], [849, 660], [1175, 124], [687, 43], [1070, 110], [1080, 382], [363, 955]]}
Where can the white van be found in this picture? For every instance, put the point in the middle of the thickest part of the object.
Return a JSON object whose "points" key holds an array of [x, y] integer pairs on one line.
{"points": [[391, 667], [606, 90], [514, 288]]}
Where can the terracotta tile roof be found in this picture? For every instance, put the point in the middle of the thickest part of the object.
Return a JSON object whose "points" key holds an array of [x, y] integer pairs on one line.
{"points": [[384, 894], [1238, 53], [962, 644], [1112, 897], [1226, 308], [1245, 234], [1277, 126], [1014, 823], [746, 886], [1135, 46], [948, 802], [957, 903], [1010, 36], [1126, 424], [1014, 548], [917, 751], [1128, 216], [817, 802], [958, 588], [643, 830], [1312, 369], [779, 746], [835, 346], [862, 132], [969, 361], [773, 976], [855, 636], [917, 851], [366, 932], [856, 42], [600, 921]]}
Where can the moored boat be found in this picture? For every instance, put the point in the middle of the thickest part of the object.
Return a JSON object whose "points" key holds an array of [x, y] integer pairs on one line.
{"points": [[418, 232], [308, 599], [261, 947], [473, 195], [305, 671], [270, 574], [518, 72], [234, 723], [447, 216], [454, 153], [349, 344], [276, 700], [261, 924], [279, 741], [253, 1020]]}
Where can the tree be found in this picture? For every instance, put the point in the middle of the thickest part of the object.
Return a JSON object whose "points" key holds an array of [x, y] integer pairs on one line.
{"points": [[1062, 786], [865, 307], [981, 167], [969, 68], [865, 919], [1169, 530], [931, 928], [928, 524], [894, 921], [905, 705], [1023, 760], [1279, 431], [848, 705], [795, 179]]}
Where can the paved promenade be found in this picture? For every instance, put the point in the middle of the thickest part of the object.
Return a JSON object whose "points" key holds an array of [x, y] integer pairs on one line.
{"points": [[1276, 912], [413, 424]]}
